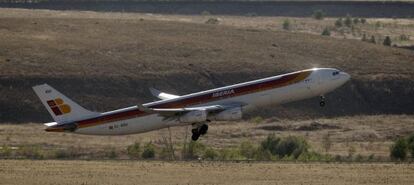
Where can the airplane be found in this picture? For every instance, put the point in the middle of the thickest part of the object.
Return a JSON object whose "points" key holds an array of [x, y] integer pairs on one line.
{"points": [[227, 103]]}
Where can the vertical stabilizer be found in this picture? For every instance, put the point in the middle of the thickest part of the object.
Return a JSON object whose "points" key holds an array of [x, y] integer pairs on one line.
{"points": [[60, 107]]}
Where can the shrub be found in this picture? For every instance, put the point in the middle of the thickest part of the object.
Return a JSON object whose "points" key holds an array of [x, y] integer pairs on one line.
{"points": [[288, 147], [257, 119], [404, 37], [5, 151], [372, 40], [31, 152], [211, 154], [363, 20], [270, 144], [212, 21], [247, 150], [134, 150], [263, 154], [356, 21], [348, 21], [111, 153], [149, 151], [318, 14], [292, 146], [398, 150], [410, 144], [339, 22], [364, 37], [286, 24], [195, 150], [387, 41], [230, 154], [326, 32], [205, 12]]}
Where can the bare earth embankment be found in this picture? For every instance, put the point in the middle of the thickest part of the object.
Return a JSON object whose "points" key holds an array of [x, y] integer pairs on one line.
{"points": [[131, 172], [107, 61]]}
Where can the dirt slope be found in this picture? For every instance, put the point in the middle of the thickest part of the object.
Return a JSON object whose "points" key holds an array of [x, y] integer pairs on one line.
{"points": [[111, 62]]}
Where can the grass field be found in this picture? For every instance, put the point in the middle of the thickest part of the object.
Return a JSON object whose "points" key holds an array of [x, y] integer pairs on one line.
{"points": [[139, 172], [366, 135]]}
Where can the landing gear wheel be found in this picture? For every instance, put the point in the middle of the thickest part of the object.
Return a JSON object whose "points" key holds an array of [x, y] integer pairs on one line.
{"points": [[195, 136], [322, 103], [203, 129]]}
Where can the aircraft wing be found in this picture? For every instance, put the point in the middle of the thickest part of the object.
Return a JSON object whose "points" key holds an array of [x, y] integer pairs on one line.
{"points": [[162, 95], [170, 112]]}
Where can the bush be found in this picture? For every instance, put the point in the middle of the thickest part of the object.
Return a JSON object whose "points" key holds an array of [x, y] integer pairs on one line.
{"points": [[134, 150], [230, 154], [398, 150], [364, 37], [348, 21], [111, 153], [149, 151], [270, 144], [247, 150], [326, 32], [288, 147], [286, 24], [356, 21], [410, 145], [5, 151], [372, 40], [211, 154], [195, 150], [212, 21], [292, 146], [205, 12], [363, 20], [387, 41], [339, 22], [30, 152], [318, 14]]}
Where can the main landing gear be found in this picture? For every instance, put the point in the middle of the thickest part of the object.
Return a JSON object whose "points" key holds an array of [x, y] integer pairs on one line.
{"points": [[322, 101], [199, 131]]}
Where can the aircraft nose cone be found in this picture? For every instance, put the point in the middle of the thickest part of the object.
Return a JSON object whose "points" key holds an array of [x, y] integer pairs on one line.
{"points": [[345, 76]]}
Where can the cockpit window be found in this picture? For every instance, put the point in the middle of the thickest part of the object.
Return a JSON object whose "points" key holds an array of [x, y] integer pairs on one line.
{"points": [[335, 73]]}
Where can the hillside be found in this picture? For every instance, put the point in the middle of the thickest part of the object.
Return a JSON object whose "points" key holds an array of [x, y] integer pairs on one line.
{"points": [[106, 63]]}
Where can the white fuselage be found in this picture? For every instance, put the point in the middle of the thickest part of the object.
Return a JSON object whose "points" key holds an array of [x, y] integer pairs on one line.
{"points": [[318, 81]]}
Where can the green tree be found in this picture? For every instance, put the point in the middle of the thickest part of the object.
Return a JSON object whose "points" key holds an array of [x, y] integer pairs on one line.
{"points": [[372, 40], [339, 22], [356, 20], [326, 32], [286, 24], [363, 20], [387, 41], [348, 21], [318, 14], [399, 149]]}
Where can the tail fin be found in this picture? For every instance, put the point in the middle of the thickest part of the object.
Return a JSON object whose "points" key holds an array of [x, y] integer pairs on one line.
{"points": [[61, 108]]}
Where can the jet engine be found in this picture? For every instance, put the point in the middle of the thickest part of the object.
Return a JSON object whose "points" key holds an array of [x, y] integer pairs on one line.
{"points": [[231, 114], [195, 116]]}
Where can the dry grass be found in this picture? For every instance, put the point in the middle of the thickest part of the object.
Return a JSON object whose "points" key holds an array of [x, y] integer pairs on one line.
{"points": [[367, 134], [132, 172]]}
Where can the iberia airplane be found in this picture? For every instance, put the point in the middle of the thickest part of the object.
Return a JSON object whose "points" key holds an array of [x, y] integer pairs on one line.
{"points": [[197, 109]]}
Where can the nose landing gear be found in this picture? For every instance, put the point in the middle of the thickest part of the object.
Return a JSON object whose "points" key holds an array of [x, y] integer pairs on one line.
{"points": [[322, 101], [199, 131]]}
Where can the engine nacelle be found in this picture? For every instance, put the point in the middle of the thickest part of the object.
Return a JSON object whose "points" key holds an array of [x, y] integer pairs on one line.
{"points": [[193, 117], [228, 115]]}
